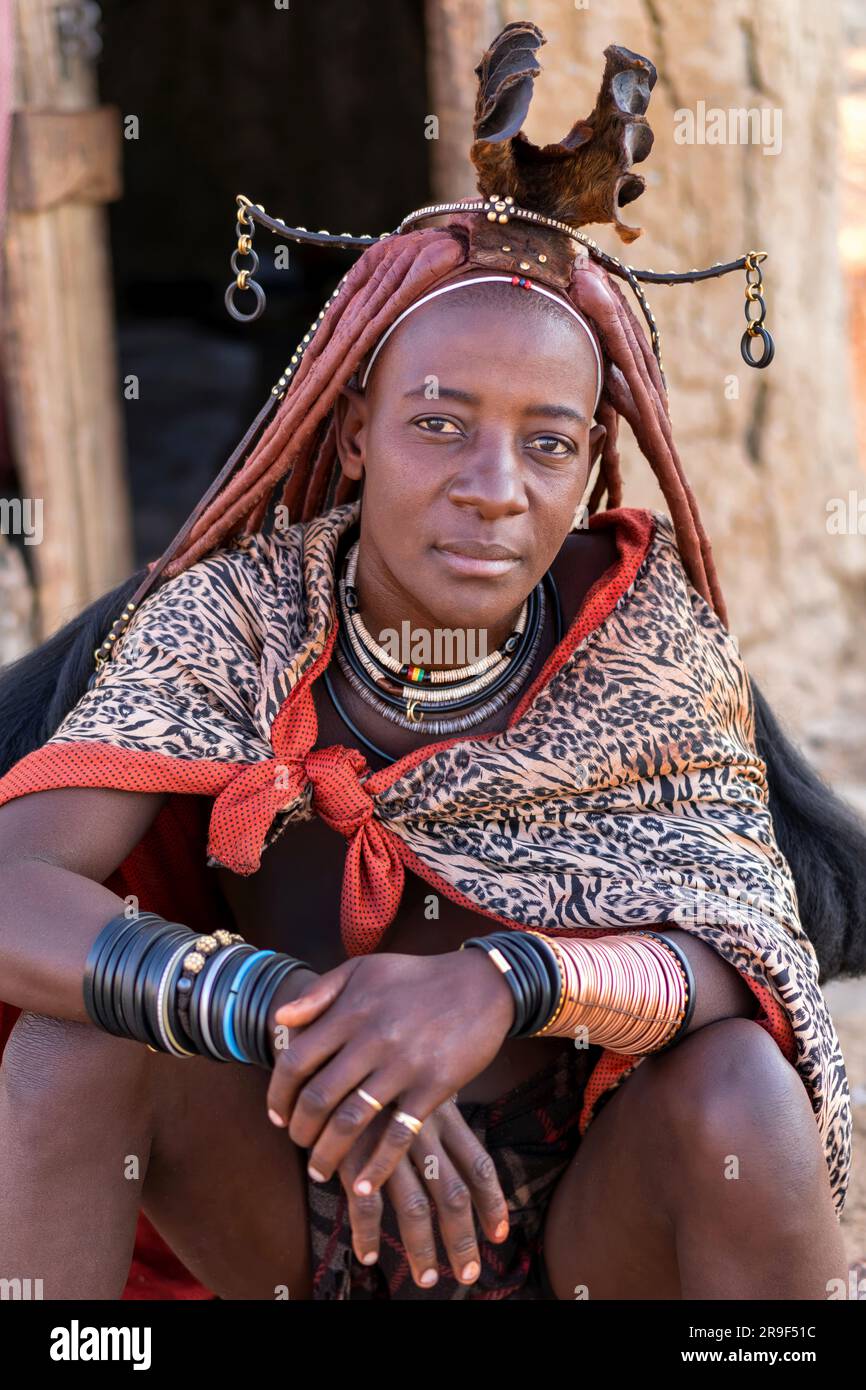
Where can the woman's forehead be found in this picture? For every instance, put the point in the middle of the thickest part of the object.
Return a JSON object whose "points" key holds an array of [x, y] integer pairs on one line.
{"points": [[476, 334], [473, 340]]}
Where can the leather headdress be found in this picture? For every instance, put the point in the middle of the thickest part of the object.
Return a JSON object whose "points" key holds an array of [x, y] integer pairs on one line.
{"points": [[544, 194]]}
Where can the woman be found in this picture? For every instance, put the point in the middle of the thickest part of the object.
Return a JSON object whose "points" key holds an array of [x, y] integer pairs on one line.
{"points": [[606, 780]]}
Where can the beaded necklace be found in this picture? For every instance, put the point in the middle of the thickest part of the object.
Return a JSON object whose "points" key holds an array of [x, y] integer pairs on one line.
{"points": [[443, 701]]}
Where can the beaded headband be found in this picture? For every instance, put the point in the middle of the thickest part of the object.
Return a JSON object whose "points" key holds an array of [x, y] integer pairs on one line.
{"points": [[520, 281]]}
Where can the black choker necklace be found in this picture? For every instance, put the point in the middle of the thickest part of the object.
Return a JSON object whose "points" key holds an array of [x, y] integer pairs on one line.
{"points": [[356, 674]]}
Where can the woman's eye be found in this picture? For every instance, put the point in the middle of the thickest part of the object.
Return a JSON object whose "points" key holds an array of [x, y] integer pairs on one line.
{"points": [[561, 450], [437, 421]]}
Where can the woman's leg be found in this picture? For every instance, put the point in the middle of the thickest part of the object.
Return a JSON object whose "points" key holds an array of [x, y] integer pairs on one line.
{"points": [[225, 1187], [94, 1127], [703, 1176]]}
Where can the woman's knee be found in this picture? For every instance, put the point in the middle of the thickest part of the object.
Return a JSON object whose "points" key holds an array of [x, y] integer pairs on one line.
{"points": [[57, 1071], [730, 1105]]}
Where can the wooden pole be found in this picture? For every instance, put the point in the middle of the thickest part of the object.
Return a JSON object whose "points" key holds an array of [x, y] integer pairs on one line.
{"points": [[58, 336]]}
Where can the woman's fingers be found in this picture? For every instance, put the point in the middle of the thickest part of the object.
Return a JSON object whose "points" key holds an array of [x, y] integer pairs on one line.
{"points": [[331, 1113], [365, 1213], [413, 1210], [398, 1135], [453, 1200], [303, 1055], [478, 1170]]}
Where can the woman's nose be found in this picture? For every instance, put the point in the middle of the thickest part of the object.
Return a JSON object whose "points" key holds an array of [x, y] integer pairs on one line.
{"points": [[491, 481]]}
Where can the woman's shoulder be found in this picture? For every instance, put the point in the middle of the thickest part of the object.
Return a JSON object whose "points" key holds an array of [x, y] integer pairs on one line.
{"points": [[589, 552]]}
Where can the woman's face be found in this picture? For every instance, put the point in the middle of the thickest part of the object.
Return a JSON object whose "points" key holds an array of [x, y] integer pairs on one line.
{"points": [[474, 439]]}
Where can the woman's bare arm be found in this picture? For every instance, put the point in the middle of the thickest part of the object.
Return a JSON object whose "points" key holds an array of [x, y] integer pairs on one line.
{"points": [[720, 990], [56, 847]]}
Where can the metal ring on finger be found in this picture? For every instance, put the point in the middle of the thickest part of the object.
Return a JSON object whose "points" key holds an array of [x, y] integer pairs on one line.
{"points": [[410, 1121], [371, 1100]]}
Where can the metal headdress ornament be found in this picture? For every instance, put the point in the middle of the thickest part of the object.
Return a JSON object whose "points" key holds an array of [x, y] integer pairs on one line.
{"points": [[543, 194]]}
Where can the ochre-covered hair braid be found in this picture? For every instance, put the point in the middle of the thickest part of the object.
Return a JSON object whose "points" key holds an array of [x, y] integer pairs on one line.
{"points": [[633, 386], [299, 443], [384, 280]]}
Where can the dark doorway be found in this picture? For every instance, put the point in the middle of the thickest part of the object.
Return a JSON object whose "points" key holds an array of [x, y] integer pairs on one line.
{"points": [[315, 110]]}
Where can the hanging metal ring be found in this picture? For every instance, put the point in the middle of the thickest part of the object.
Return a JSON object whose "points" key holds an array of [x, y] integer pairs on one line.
{"points": [[247, 285], [757, 318], [238, 270], [769, 347]]}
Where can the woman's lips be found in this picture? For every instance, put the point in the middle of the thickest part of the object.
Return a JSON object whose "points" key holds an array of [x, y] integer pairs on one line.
{"points": [[477, 559]]}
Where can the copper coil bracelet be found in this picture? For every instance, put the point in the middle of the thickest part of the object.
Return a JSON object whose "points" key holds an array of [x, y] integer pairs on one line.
{"points": [[633, 992]]}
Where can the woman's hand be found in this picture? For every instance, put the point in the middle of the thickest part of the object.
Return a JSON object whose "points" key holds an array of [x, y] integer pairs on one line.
{"points": [[407, 1029], [446, 1167]]}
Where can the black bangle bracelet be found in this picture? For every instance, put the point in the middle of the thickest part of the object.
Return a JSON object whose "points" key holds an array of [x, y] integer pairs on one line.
{"points": [[105, 976], [690, 987], [546, 969], [191, 1017], [126, 972], [119, 931], [154, 967], [264, 987], [219, 999], [131, 989], [94, 967], [243, 1004], [261, 1037], [547, 961], [170, 935], [516, 977], [260, 1008], [129, 952], [202, 1003], [525, 968], [537, 970], [147, 925], [208, 1015], [89, 971], [532, 963], [173, 1017]]}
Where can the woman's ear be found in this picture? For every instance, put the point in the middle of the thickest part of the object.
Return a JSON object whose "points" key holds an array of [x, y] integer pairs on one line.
{"points": [[350, 424], [597, 436]]}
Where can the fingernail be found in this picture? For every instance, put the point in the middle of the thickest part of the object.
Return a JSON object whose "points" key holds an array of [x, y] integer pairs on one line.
{"points": [[471, 1270], [501, 1230], [276, 1119], [429, 1277], [363, 1188], [371, 1258], [316, 1175]]}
